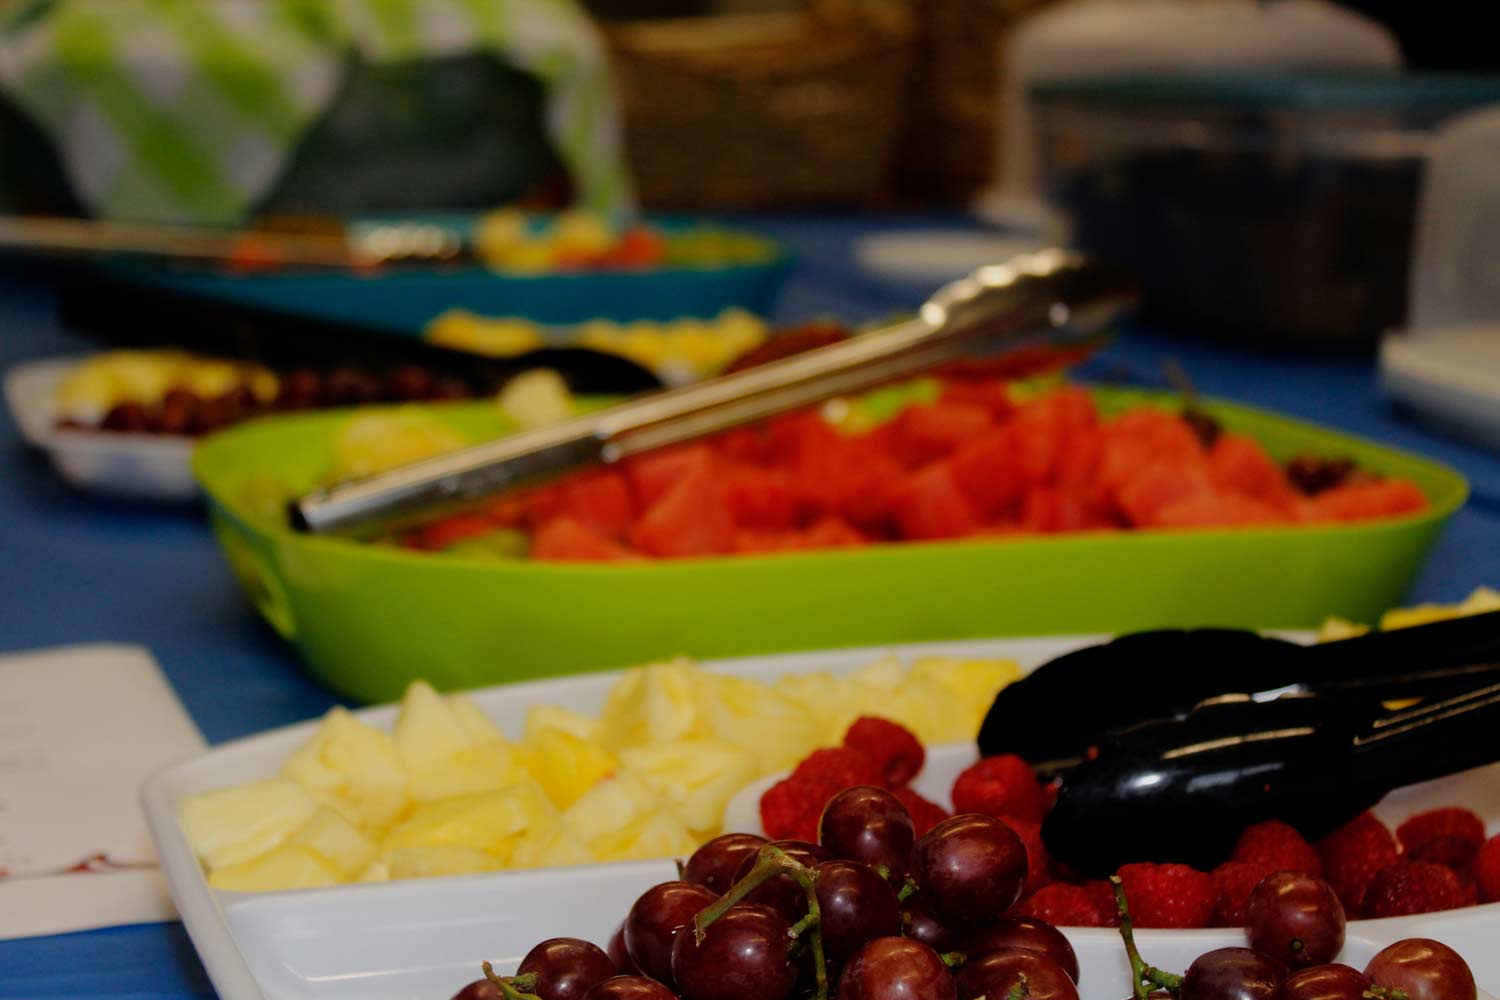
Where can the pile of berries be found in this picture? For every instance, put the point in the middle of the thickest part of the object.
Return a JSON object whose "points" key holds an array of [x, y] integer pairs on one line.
{"points": [[1436, 860], [872, 911]]}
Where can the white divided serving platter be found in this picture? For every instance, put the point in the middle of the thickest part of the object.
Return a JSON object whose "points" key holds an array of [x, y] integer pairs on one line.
{"points": [[138, 466], [423, 939]]}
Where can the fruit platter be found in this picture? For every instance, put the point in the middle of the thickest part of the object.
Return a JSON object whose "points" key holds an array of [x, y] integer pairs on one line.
{"points": [[947, 556], [871, 900]]}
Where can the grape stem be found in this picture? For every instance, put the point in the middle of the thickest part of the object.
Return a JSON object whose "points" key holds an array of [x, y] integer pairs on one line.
{"points": [[1386, 993], [514, 987], [907, 888], [953, 959], [1143, 976], [769, 863]]}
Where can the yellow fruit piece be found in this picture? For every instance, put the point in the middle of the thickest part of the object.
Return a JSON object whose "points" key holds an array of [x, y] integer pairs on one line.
{"points": [[499, 337], [378, 871], [496, 231], [489, 821], [354, 768], [828, 699], [335, 840], [440, 859], [972, 685], [565, 765], [540, 717], [1483, 599], [651, 704], [483, 767], [694, 779], [234, 825], [1335, 628], [1420, 614], [743, 712], [582, 231], [289, 867], [374, 442], [449, 747], [557, 848], [609, 806], [536, 398], [659, 835]]}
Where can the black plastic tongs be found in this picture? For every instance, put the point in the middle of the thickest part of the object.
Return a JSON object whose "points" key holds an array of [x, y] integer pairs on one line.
{"points": [[1185, 738]]}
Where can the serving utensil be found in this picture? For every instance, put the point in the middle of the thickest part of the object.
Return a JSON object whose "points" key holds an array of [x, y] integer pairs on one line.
{"points": [[1052, 300]]}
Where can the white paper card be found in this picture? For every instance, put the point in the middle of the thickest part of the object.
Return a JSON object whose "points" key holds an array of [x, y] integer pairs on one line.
{"points": [[80, 729]]}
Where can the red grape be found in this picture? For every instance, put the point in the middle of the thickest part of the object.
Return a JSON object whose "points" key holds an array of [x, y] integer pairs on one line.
{"points": [[479, 989], [618, 954], [923, 925], [1028, 934], [895, 968], [1325, 982], [715, 863], [1296, 919], [1425, 969], [743, 956], [1232, 974], [655, 919], [128, 417], [566, 968], [855, 905], [782, 894], [630, 988], [995, 973], [868, 825], [971, 868]]}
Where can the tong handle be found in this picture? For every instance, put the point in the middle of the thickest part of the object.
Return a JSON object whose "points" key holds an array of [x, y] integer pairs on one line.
{"points": [[1432, 740], [1053, 297]]}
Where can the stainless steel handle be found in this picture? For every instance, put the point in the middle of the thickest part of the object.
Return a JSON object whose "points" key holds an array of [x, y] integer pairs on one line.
{"points": [[1052, 298]]}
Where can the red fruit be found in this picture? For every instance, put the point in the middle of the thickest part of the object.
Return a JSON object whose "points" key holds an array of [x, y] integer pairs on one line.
{"points": [[1351, 856], [1234, 880], [928, 505], [1169, 895], [1450, 837], [1408, 887], [1237, 463], [889, 746], [761, 499], [925, 814], [1278, 847], [1038, 861], [690, 519], [1487, 870], [829, 532], [565, 539], [600, 500], [1216, 511], [1000, 786], [925, 432], [1048, 510], [1153, 488], [1064, 905], [991, 394], [651, 475], [985, 472], [1359, 501], [841, 765], [791, 808], [440, 534]]}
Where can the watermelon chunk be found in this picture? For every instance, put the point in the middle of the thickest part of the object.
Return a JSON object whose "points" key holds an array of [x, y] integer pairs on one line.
{"points": [[655, 472], [1360, 501], [600, 499], [690, 519], [567, 539], [454, 528], [926, 432], [1047, 509], [761, 499], [1215, 511], [828, 532], [986, 472], [1238, 464], [1160, 485], [929, 504], [993, 395]]}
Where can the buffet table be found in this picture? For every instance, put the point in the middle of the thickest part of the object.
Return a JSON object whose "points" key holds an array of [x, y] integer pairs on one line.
{"points": [[79, 569]]}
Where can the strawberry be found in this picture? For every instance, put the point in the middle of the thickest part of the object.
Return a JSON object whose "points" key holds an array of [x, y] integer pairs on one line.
{"points": [[1169, 895], [1279, 847], [1487, 870], [1038, 862], [1450, 837], [924, 814], [1001, 786], [1351, 856], [840, 765], [1064, 905], [1408, 887], [1234, 880], [891, 747], [791, 808]]}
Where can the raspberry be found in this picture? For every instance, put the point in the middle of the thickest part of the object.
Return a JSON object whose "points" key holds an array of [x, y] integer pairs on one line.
{"points": [[1234, 880], [1000, 786], [894, 750], [1064, 905], [842, 765], [1038, 862], [1351, 856], [1408, 887], [1487, 870], [791, 808], [1448, 837], [1279, 846], [1169, 895], [924, 814]]}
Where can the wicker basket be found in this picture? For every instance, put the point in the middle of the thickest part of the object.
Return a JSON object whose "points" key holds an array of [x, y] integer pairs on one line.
{"points": [[765, 110]]}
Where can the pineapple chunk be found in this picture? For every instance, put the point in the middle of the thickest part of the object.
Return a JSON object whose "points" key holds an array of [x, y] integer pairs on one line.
{"points": [[232, 825], [743, 711], [552, 717], [336, 841], [441, 859], [1335, 628], [557, 848], [694, 780], [354, 768], [659, 835], [827, 698], [374, 442], [290, 867], [972, 684], [450, 747], [565, 765], [488, 821], [376, 871], [651, 704], [484, 767], [610, 805]]}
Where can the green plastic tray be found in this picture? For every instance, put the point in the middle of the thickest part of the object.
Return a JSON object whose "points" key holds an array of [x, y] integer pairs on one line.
{"points": [[367, 619]]}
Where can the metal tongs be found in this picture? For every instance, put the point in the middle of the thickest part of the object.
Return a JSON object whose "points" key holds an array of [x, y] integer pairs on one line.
{"points": [[1051, 300]]}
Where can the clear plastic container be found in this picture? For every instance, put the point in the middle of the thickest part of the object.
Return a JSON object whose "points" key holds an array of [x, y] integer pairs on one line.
{"points": [[1273, 208]]}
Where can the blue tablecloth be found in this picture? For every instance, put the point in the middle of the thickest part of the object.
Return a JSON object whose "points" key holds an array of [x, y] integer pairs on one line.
{"points": [[74, 568]]}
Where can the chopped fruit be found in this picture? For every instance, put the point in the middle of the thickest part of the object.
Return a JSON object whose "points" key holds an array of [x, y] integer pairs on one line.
{"points": [[1065, 905], [1352, 855], [440, 859], [336, 841], [1450, 837], [1277, 846], [565, 765], [694, 779], [1001, 786], [232, 825], [490, 821], [293, 866], [1169, 895], [1407, 887], [354, 768]]}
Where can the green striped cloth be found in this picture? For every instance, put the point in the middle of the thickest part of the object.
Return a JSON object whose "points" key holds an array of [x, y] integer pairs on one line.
{"points": [[188, 110]]}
